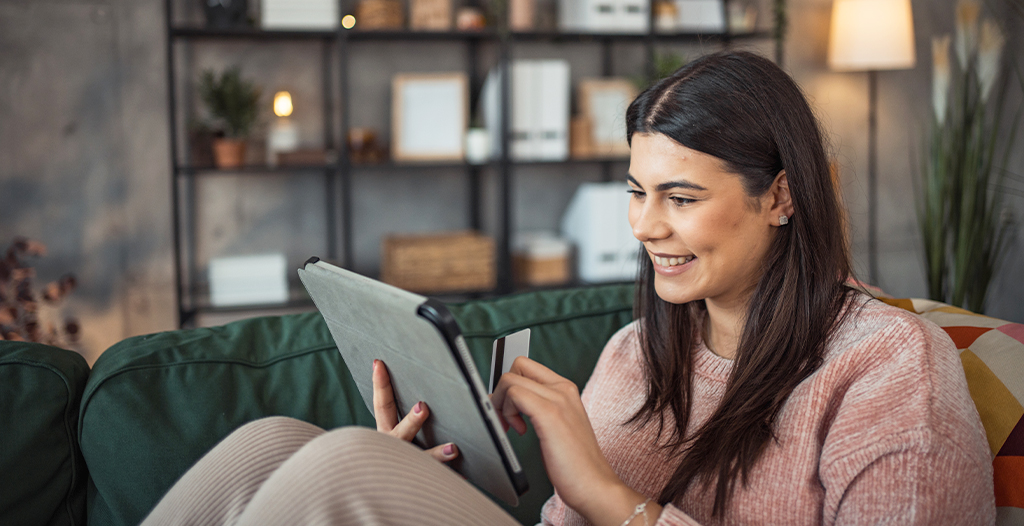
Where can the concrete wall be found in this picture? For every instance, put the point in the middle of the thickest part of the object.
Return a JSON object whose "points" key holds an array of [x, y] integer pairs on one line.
{"points": [[85, 155]]}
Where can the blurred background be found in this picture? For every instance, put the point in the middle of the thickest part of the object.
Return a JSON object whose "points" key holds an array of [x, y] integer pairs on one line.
{"points": [[94, 94]]}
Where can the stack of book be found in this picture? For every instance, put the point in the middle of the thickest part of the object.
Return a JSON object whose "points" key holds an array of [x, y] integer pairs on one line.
{"points": [[540, 110]]}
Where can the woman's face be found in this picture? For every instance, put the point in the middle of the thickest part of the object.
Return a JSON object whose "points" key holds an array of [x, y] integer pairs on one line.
{"points": [[705, 235]]}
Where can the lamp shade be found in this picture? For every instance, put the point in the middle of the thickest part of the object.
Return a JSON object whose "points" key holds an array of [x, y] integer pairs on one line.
{"points": [[871, 35]]}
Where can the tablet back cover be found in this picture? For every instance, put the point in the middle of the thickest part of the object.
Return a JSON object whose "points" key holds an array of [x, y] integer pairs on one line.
{"points": [[371, 320]]}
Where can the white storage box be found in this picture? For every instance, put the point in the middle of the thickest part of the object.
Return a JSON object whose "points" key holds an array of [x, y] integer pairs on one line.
{"points": [[248, 280], [299, 14], [604, 16], [597, 222]]}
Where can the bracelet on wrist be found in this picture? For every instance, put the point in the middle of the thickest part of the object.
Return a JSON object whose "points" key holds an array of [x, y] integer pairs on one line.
{"points": [[640, 509]]}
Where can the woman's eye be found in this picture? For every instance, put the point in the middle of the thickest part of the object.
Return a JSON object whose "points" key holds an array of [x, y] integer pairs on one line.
{"points": [[681, 201], [636, 194]]}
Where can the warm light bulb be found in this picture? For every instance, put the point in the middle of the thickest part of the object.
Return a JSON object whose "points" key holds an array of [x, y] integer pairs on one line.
{"points": [[348, 21], [283, 104]]}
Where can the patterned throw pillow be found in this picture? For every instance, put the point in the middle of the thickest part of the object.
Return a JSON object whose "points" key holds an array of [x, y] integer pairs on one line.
{"points": [[992, 352]]}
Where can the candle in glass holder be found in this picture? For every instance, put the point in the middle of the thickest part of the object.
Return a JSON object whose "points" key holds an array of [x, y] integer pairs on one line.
{"points": [[284, 136]]}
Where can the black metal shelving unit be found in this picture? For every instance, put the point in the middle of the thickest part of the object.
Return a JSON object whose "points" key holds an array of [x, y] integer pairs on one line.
{"points": [[338, 174]]}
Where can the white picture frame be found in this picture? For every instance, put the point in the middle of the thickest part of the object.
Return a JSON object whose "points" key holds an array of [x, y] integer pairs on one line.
{"points": [[603, 102], [429, 116]]}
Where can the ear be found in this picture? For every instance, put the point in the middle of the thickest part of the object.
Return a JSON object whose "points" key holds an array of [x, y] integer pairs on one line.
{"points": [[779, 200]]}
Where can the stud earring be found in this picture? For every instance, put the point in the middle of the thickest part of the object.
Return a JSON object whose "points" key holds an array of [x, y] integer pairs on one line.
{"points": [[783, 220]]}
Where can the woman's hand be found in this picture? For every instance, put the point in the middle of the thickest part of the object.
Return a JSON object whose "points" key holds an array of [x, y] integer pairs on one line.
{"points": [[385, 411], [572, 458]]}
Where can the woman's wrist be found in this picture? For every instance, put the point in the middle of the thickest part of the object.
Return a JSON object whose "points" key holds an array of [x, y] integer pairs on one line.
{"points": [[616, 504]]}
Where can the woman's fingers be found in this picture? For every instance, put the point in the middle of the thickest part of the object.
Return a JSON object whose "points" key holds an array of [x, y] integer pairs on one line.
{"points": [[385, 412], [444, 452], [534, 370], [412, 423]]}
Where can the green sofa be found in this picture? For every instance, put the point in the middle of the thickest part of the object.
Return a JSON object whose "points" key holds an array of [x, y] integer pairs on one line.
{"points": [[101, 447]]}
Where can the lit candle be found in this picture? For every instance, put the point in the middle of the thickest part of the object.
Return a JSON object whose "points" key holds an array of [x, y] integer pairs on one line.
{"points": [[284, 136]]}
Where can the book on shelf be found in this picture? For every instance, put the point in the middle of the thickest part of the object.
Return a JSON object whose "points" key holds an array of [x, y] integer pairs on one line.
{"points": [[540, 105]]}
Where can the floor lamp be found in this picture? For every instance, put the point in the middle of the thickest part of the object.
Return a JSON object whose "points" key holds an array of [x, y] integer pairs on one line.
{"points": [[871, 35]]}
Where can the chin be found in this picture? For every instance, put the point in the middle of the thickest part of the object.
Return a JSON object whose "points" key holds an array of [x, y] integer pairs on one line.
{"points": [[673, 292]]}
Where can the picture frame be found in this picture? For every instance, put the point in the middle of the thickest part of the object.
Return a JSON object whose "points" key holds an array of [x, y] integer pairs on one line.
{"points": [[429, 116], [603, 104]]}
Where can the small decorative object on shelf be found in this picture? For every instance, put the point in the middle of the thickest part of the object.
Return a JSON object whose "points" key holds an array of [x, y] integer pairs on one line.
{"points": [[363, 147], [581, 139], [223, 14], [666, 16], [233, 103], [430, 15], [284, 135], [742, 17], [603, 103], [541, 258], [469, 18], [439, 262], [379, 15], [299, 14], [429, 113], [478, 146], [522, 15], [200, 145], [23, 317]]}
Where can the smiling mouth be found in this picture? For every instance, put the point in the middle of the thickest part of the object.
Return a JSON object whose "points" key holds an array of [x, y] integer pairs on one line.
{"points": [[672, 261]]}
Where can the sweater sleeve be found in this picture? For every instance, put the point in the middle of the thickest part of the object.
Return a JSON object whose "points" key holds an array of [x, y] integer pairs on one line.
{"points": [[915, 479], [906, 444]]}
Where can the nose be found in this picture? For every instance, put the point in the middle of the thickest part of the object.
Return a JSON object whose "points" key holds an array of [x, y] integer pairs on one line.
{"points": [[647, 221]]}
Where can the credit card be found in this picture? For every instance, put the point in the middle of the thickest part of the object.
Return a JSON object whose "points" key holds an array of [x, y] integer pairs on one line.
{"points": [[505, 351]]}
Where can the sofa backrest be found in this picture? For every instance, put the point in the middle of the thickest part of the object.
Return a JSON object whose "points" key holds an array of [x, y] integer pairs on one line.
{"points": [[155, 404], [42, 474]]}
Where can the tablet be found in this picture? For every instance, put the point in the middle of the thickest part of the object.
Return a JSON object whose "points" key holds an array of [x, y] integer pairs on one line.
{"points": [[428, 360]]}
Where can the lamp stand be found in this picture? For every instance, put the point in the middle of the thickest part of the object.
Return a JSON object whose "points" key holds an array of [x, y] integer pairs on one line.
{"points": [[872, 177]]}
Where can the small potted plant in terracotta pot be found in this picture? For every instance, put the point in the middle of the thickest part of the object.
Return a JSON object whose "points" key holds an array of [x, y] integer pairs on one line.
{"points": [[233, 103]]}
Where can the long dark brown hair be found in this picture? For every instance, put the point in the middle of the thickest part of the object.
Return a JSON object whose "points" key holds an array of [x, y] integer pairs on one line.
{"points": [[744, 110]]}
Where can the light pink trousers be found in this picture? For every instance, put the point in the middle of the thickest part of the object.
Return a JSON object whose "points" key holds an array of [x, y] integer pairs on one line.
{"points": [[280, 470]]}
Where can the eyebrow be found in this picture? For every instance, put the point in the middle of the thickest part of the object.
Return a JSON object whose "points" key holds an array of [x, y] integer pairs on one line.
{"points": [[685, 185]]}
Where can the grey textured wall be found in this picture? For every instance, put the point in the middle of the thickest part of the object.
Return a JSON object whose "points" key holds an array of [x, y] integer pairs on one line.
{"points": [[85, 156]]}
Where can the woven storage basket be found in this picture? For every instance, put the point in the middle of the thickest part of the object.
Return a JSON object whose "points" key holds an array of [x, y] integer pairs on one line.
{"points": [[446, 262]]}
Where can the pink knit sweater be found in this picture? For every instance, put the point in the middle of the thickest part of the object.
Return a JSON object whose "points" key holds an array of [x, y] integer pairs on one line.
{"points": [[884, 431]]}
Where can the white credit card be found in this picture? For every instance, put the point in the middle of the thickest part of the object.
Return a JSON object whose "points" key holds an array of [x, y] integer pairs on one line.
{"points": [[505, 351]]}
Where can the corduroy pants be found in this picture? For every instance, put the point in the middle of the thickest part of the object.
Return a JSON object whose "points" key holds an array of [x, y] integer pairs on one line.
{"points": [[279, 470]]}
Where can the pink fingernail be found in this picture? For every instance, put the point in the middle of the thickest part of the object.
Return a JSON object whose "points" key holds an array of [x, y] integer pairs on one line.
{"points": [[449, 450], [418, 408]]}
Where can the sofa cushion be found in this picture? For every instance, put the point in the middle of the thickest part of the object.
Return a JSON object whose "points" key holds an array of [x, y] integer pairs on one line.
{"points": [[155, 404], [42, 475], [992, 352]]}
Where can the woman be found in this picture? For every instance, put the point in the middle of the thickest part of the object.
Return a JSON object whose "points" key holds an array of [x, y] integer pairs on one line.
{"points": [[756, 387]]}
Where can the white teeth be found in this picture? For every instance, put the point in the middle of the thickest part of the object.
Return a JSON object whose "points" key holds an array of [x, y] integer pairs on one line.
{"points": [[671, 262]]}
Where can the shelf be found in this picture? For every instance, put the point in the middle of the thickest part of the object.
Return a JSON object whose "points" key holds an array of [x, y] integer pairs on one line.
{"points": [[252, 170], [253, 33], [409, 35], [556, 36], [250, 33]]}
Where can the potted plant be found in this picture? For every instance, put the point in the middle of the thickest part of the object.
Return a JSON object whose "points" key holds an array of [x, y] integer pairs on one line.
{"points": [[959, 205], [233, 103]]}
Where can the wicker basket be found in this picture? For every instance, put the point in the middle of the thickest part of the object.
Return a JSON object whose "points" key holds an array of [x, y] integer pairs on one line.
{"points": [[380, 14], [445, 262]]}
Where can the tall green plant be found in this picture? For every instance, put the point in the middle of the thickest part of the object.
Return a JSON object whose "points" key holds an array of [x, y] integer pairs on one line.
{"points": [[958, 209], [231, 100]]}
